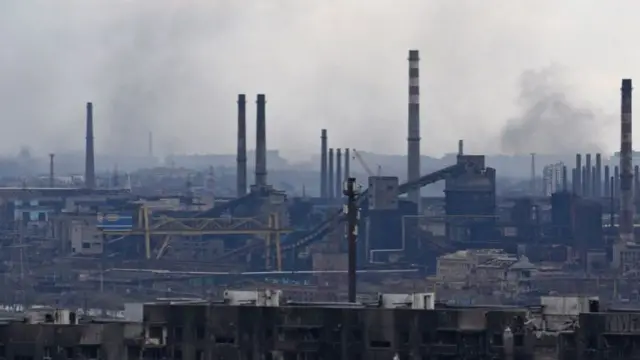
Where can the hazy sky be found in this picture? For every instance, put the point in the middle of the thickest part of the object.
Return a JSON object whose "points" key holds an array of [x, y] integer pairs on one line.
{"points": [[506, 76]]}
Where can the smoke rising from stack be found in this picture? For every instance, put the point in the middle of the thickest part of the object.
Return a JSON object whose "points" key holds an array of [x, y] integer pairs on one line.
{"points": [[173, 67], [241, 161], [545, 105]]}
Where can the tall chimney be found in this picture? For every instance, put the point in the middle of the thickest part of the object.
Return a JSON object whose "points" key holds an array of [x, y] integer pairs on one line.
{"points": [[347, 160], [636, 184], [51, 173], [597, 186], [626, 174], [588, 177], [338, 184], [241, 160], [89, 160], [261, 142], [565, 179], [607, 185], [585, 183], [330, 187], [616, 182], [413, 138], [578, 184], [460, 147], [323, 163]]}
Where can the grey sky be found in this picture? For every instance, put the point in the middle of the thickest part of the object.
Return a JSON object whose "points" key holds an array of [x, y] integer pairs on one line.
{"points": [[175, 67]]}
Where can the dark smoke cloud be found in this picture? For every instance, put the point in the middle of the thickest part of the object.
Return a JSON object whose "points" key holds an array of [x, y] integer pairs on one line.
{"points": [[551, 122]]}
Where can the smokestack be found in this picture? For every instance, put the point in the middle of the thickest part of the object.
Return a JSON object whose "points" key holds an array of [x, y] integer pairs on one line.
{"points": [[616, 182], [588, 178], [636, 183], [593, 180], [323, 163], [150, 144], [338, 183], [585, 183], [460, 147], [626, 154], [330, 187], [51, 174], [413, 138], [607, 185], [241, 160], [578, 184], [598, 183], [565, 180], [347, 159], [89, 161], [261, 142]]}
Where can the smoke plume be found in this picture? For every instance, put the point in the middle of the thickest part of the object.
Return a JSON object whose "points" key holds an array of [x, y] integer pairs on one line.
{"points": [[551, 122]]}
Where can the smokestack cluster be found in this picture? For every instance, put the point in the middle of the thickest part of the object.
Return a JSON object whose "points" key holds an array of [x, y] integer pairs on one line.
{"points": [[332, 175], [626, 171], [413, 138], [241, 160], [89, 161], [587, 180], [261, 142]]}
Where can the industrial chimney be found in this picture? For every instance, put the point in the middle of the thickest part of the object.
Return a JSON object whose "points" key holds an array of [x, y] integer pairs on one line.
{"points": [[323, 164], [597, 193], [578, 184], [241, 160], [89, 161], [347, 170], [616, 181], [261, 142], [413, 138], [588, 177], [626, 171], [330, 187], [607, 185], [338, 184], [51, 173]]}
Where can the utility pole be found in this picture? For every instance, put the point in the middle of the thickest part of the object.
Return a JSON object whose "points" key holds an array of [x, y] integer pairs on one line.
{"points": [[352, 211]]}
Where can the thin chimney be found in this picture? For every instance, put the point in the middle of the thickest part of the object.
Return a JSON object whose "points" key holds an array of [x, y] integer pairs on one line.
{"points": [[89, 163], [323, 164], [241, 160], [51, 173], [330, 188], [578, 184], [338, 183], [261, 142], [626, 173], [347, 161]]}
